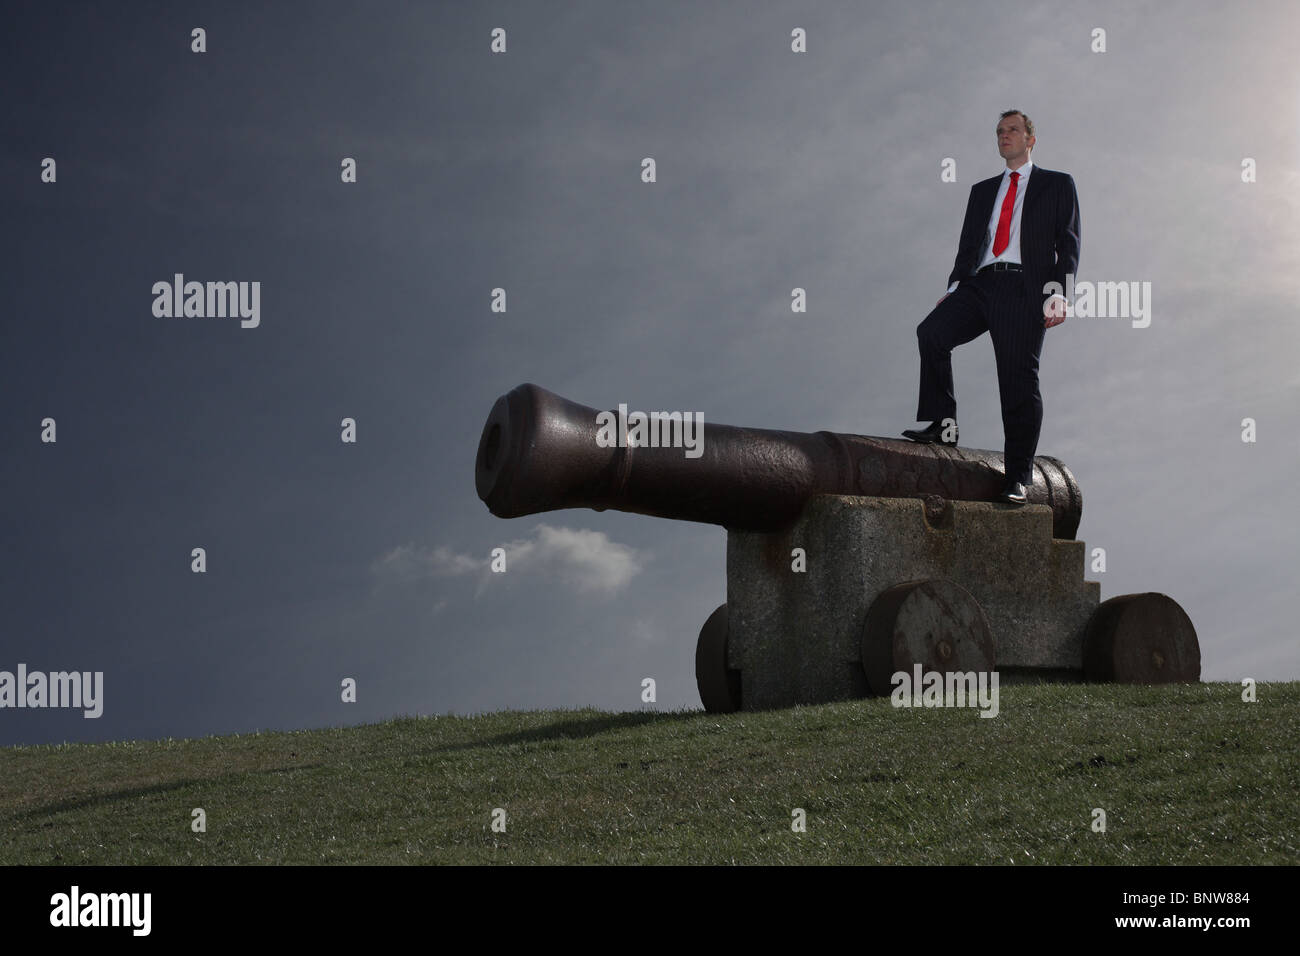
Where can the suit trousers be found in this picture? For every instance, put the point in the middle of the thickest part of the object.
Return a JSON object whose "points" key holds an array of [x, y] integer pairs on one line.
{"points": [[993, 302]]}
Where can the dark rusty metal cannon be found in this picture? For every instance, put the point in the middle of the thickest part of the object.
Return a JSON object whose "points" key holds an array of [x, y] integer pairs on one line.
{"points": [[538, 452]]}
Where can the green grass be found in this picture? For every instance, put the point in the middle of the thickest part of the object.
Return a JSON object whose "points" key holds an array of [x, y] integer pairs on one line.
{"points": [[1186, 775]]}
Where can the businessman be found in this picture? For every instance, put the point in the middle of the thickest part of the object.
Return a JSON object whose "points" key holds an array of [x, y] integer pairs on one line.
{"points": [[1021, 232]]}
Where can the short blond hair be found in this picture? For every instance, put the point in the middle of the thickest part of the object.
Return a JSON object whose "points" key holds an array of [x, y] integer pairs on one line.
{"points": [[1029, 124]]}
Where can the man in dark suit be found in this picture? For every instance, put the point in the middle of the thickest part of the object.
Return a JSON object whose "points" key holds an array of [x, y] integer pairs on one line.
{"points": [[1021, 232]]}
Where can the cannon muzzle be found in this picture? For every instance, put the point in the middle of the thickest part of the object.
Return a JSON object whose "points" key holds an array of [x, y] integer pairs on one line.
{"points": [[539, 452]]}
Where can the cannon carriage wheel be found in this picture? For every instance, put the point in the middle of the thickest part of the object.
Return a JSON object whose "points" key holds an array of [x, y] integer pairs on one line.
{"points": [[1141, 639], [934, 623], [719, 684]]}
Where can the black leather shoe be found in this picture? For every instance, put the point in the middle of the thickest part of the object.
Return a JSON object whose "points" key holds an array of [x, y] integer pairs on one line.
{"points": [[932, 434], [1013, 493]]}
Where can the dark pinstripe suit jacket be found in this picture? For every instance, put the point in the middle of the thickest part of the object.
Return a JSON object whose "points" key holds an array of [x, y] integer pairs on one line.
{"points": [[1049, 231]]}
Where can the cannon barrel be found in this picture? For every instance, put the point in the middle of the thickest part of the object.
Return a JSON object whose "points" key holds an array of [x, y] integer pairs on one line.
{"points": [[539, 452]]}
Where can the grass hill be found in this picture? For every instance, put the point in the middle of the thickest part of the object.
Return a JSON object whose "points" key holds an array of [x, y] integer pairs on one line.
{"points": [[1185, 775]]}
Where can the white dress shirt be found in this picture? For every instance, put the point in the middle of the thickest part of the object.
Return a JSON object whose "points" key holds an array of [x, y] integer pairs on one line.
{"points": [[1012, 252]]}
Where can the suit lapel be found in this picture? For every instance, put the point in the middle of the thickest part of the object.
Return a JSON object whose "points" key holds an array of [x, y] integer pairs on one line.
{"points": [[1033, 190], [987, 202], [994, 185]]}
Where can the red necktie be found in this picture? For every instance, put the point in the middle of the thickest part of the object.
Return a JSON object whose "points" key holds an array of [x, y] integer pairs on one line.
{"points": [[1003, 238]]}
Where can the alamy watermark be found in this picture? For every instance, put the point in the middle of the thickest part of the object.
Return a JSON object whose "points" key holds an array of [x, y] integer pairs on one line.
{"points": [[75, 908], [1105, 300], [946, 689], [651, 430], [76, 689], [210, 300]]}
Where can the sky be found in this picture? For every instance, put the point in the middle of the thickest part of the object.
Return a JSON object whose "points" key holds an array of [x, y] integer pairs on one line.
{"points": [[368, 561]]}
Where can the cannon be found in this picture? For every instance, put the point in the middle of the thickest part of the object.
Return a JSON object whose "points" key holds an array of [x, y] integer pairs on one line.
{"points": [[849, 557], [538, 452]]}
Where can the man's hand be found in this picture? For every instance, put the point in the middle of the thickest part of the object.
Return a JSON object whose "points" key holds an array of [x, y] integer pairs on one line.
{"points": [[1053, 311]]}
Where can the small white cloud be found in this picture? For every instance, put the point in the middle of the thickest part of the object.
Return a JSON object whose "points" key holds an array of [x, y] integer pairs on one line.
{"points": [[445, 563], [642, 631], [586, 561], [407, 562]]}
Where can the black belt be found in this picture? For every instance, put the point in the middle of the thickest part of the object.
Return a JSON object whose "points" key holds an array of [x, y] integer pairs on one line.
{"points": [[1002, 267]]}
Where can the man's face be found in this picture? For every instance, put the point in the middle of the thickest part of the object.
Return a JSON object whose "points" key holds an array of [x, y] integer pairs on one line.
{"points": [[1013, 141]]}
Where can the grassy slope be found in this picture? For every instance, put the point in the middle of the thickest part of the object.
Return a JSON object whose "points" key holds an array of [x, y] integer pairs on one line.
{"points": [[1185, 775]]}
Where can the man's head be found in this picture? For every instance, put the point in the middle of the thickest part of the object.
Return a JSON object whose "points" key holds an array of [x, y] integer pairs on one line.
{"points": [[1015, 133]]}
